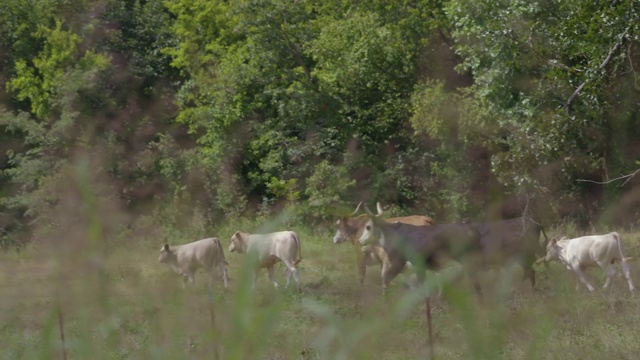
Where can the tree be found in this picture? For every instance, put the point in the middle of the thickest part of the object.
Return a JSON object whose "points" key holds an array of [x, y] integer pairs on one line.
{"points": [[527, 59]]}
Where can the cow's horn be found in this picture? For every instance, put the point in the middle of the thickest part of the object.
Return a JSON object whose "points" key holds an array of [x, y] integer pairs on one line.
{"points": [[379, 208], [357, 208]]}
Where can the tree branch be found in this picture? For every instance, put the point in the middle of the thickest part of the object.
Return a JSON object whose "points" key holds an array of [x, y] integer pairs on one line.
{"points": [[627, 177], [602, 65]]}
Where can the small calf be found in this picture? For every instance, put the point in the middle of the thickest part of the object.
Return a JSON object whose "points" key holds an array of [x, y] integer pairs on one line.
{"points": [[269, 249], [186, 259], [584, 252]]}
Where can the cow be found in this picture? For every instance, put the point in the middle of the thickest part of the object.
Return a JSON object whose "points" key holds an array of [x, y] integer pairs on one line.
{"points": [[187, 258], [480, 246], [584, 252], [269, 249], [349, 229], [424, 246], [512, 240]]}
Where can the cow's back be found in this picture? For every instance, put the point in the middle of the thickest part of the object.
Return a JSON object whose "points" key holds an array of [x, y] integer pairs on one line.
{"points": [[588, 249], [206, 252], [263, 244], [415, 220], [452, 240], [418, 220], [510, 237], [286, 243]]}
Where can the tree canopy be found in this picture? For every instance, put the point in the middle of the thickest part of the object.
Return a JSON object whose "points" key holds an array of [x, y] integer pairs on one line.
{"points": [[439, 107]]}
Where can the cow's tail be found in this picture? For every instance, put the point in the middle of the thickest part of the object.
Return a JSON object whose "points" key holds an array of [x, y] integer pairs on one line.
{"points": [[539, 225], [621, 248], [544, 233], [546, 239], [297, 239], [543, 249]]}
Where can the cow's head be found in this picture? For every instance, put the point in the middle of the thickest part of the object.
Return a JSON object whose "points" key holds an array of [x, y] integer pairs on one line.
{"points": [[554, 250], [166, 255], [372, 234], [341, 231], [344, 232], [238, 243]]}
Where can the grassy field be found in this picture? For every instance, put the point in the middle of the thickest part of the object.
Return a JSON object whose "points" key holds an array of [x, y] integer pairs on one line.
{"points": [[118, 302]]}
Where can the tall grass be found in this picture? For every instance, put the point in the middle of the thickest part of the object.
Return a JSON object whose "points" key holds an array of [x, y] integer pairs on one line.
{"points": [[118, 302]]}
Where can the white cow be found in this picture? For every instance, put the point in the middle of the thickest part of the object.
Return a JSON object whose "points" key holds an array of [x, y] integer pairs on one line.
{"points": [[186, 259], [589, 251], [270, 248]]}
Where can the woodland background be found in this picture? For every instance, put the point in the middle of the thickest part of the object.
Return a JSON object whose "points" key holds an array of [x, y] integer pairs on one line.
{"points": [[180, 109]]}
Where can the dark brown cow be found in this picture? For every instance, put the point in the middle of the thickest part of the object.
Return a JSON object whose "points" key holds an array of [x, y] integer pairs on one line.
{"points": [[479, 246], [350, 228], [426, 247]]}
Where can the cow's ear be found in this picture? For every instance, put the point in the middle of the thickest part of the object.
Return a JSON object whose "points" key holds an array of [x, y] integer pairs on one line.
{"points": [[554, 241], [237, 235], [166, 247]]}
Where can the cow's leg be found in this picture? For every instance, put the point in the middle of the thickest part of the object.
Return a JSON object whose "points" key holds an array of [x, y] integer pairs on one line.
{"points": [[271, 277], [530, 273], [472, 264], [225, 276], [627, 274], [294, 272], [362, 266], [390, 273], [472, 268], [609, 270], [583, 279], [287, 272], [291, 270], [385, 268], [212, 273], [421, 277]]}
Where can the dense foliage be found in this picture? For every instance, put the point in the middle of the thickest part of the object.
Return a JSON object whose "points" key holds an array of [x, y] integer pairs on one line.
{"points": [[229, 108]]}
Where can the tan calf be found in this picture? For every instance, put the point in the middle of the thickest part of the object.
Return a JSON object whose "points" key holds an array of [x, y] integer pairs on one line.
{"points": [[186, 259], [270, 249]]}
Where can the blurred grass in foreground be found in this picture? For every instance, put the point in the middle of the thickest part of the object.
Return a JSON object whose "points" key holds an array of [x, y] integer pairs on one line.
{"points": [[118, 302]]}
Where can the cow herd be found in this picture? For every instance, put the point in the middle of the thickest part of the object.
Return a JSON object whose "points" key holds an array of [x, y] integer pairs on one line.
{"points": [[268, 249], [415, 241]]}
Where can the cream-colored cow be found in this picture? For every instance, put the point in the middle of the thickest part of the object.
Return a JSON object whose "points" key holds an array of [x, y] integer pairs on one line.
{"points": [[186, 259], [269, 249], [590, 251]]}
